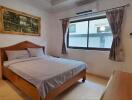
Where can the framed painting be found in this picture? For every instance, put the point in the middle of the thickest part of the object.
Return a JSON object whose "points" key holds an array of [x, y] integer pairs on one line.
{"points": [[16, 22]]}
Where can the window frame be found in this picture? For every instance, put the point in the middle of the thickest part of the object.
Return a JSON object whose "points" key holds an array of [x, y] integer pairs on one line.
{"points": [[87, 48]]}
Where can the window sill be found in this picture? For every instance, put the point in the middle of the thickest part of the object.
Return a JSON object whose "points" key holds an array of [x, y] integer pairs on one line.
{"points": [[97, 49]]}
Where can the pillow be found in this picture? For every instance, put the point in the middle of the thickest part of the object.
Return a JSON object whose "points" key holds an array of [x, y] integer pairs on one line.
{"points": [[19, 54], [36, 52]]}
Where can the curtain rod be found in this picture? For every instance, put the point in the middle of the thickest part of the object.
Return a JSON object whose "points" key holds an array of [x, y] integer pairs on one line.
{"points": [[127, 5]]}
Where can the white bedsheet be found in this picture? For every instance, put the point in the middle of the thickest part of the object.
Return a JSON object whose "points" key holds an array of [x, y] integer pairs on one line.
{"points": [[45, 72]]}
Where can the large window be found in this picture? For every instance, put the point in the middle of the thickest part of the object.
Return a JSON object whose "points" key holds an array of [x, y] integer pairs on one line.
{"points": [[92, 33]]}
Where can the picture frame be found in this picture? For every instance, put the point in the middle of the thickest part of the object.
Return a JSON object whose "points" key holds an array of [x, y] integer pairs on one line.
{"points": [[17, 22]]}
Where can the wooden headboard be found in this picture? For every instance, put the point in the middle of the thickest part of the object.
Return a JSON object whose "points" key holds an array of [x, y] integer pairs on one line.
{"points": [[20, 46]]}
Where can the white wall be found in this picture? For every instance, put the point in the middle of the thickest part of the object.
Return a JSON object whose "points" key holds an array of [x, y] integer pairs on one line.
{"points": [[98, 62], [22, 5]]}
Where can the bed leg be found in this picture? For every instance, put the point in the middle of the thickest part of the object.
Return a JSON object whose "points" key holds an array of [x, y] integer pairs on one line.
{"points": [[84, 78], [4, 78]]}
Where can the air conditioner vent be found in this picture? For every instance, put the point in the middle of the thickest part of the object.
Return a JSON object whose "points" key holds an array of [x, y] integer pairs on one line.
{"points": [[84, 12], [84, 2]]}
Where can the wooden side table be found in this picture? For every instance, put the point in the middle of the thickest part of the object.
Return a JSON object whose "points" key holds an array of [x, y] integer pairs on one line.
{"points": [[0, 66], [119, 87]]}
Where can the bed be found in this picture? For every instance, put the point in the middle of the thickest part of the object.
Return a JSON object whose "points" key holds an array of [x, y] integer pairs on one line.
{"points": [[45, 81]]}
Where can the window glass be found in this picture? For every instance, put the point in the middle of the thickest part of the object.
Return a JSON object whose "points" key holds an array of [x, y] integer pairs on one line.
{"points": [[72, 28], [78, 38], [100, 35]]}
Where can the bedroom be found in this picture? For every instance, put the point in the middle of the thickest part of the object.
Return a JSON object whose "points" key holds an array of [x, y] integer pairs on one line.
{"points": [[51, 32]]}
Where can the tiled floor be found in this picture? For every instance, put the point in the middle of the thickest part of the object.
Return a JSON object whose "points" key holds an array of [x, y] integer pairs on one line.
{"points": [[92, 89]]}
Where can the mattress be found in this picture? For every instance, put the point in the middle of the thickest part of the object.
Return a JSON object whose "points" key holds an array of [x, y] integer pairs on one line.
{"points": [[45, 72]]}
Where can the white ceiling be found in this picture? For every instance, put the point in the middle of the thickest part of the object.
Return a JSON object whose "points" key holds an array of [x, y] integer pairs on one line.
{"points": [[54, 5]]}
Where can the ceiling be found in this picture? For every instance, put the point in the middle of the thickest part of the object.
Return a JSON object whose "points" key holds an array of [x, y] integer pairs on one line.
{"points": [[58, 5]]}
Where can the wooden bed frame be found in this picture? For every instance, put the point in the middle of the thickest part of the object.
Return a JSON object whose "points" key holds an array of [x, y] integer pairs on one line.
{"points": [[24, 85]]}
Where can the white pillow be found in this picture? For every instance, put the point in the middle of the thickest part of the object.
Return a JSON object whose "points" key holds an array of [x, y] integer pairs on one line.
{"points": [[36, 52], [18, 54]]}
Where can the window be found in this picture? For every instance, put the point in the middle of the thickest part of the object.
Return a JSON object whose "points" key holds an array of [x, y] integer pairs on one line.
{"points": [[92, 33]]}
